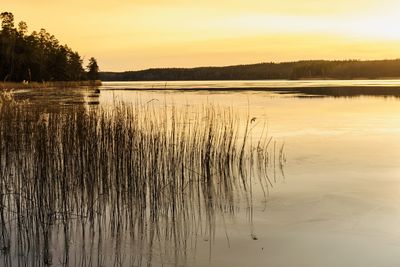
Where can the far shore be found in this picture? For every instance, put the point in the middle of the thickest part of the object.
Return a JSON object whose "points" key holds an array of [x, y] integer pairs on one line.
{"points": [[61, 84]]}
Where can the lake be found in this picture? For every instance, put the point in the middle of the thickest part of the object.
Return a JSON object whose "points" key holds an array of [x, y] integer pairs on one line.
{"points": [[334, 198]]}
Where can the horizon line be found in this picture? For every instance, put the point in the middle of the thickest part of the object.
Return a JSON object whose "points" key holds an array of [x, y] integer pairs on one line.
{"points": [[259, 63]]}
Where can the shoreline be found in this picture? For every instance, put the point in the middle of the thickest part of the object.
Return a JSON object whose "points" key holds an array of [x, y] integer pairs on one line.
{"points": [[244, 80], [38, 85]]}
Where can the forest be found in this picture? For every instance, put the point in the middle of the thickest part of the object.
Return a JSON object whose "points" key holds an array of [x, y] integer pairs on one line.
{"points": [[312, 69], [38, 56]]}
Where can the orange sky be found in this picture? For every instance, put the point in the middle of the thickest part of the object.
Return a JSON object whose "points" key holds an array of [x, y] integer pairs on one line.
{"points": [[137, 34]]}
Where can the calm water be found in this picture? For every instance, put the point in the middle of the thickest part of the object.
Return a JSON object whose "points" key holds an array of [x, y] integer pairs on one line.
{"points": [[338, 202], [249, 84]]}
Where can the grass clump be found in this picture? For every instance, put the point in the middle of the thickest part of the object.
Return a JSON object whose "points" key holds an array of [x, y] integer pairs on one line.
{"points": [[81, 180]]}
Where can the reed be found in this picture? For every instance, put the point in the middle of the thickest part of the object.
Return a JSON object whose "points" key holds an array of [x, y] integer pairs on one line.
{"points": [[85, 181]]}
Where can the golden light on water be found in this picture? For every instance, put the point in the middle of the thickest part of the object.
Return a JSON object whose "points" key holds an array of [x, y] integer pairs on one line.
{"points": [[129, 35]]}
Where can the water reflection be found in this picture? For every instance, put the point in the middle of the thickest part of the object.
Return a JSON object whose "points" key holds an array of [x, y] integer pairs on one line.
{"points": [[342, 193], [310, 88], [349, 91], [343, 190], [132, 185], [53, 99]]}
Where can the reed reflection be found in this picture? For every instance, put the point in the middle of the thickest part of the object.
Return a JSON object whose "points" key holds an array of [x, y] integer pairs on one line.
{"points": [[132, 185]]}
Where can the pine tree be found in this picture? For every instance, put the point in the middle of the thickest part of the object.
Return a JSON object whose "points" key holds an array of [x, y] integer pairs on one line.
{"points": [[93, 69]]}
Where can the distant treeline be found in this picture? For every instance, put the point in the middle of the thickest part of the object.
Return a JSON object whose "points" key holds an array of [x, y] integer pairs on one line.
{"points": [[38, 56], [349, 69]]}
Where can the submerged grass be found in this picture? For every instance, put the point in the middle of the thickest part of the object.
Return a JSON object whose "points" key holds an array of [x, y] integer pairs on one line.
{"points": [[87, 181]]}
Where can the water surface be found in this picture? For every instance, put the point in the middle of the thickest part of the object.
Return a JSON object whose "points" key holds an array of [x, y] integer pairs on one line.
{"points": [[336, 201], [339, 204]]}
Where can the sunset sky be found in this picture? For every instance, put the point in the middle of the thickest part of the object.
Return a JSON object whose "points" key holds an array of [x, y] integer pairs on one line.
{"points": [[138, 34]]}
